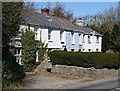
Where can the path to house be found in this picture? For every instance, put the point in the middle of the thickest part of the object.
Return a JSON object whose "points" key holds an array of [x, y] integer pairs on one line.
{"points": [[50, 81]]}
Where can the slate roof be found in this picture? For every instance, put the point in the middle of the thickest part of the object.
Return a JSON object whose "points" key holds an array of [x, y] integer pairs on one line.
{"points": [[55, 22], [89, 31], [66, 24], [39, 19]]}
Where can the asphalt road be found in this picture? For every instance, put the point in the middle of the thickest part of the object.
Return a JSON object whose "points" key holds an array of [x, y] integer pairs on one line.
{"points": [[110, 84], [101, 85]]}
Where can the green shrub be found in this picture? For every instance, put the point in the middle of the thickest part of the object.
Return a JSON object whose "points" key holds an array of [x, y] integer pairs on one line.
{"points": [[11, 71], [97, 60], [28, 50]]}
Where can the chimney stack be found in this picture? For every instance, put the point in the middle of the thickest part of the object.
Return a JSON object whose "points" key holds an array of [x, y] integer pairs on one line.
{"points": [[79, 22], [45, 11]]}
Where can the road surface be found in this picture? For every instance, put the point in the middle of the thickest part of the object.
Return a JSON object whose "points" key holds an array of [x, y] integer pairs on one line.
{"points": [[100, 85]]}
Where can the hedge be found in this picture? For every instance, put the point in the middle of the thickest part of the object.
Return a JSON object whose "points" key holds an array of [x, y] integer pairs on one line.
{"points": [[82, 59]]}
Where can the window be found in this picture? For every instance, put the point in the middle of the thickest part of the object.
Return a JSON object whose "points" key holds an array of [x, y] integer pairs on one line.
{"points": [[18, 51], [72, 37], [79, 50], [97, 40], [72, 50], [89, 39], [83, 49], [36, 35], [89, 50], [40, 34], [96, 50], [83, 38], [15, 51], [61, 35], [49, 34], [79, 37]]}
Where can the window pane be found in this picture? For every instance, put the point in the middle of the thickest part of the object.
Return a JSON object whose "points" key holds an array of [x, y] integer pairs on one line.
{"points": [[49, 34]]}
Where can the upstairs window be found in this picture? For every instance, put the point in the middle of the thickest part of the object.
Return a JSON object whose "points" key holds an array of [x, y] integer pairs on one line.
{"points": [[83, 38], [79, 37], [40, 34], [36, 35], [49, 34], [89, 39], [61, 35], [18, 51], [97, 39], [72, 37]]}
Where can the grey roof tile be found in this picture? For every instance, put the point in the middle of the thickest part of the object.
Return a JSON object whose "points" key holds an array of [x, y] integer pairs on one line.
{"points": [[55, 22], [39, 19]]}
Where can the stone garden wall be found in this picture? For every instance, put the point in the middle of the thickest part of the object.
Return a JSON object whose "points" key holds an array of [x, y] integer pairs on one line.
{"points": [[83, 73]]}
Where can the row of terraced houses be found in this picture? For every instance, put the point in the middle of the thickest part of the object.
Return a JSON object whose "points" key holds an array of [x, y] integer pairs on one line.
{"points": [[59, 34]]}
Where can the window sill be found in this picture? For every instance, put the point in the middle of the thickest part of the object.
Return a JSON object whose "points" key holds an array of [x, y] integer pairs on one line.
{"points": [[73, 43], [50, 41], [89, 42], [62, 42]]}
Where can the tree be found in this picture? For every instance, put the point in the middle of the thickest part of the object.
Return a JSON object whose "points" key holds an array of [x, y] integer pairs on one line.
{"points": [[115, 37], [28, 56], [108, 17], [106, 42], [104, 23], [11, 18], [60, 11], [29, 7]]}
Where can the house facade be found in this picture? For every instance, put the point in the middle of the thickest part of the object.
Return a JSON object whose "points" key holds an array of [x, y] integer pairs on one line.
{"points": [[61, 34]]}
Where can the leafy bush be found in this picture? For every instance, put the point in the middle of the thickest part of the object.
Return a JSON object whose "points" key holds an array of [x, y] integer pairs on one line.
{"points": [[28, 50], [97, 60], [11, 71]]}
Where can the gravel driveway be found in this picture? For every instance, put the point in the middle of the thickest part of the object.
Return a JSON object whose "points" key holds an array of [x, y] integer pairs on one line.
{"points": [[48, 81]]}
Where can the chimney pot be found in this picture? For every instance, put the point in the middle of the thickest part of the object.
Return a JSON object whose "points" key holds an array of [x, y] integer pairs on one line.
{"points": [[53, 14]]}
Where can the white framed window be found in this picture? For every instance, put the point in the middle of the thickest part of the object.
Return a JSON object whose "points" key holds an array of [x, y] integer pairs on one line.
{"points": [[36, 35], [72, 50], [83, 38], [89, 50], [72, 37], [89, 39], [40, 34], [83, 50], [49, 34], [61, 35], [18, 51], [97, 50], [79, 37], [97, 39]]}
